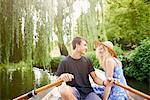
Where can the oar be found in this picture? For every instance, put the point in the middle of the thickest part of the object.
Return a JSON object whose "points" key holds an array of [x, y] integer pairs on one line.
{"points": [[131, 90], [34, 92]]}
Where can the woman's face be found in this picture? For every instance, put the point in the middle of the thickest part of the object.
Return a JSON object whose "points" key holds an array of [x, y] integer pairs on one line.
{"points": [[100, 51]]}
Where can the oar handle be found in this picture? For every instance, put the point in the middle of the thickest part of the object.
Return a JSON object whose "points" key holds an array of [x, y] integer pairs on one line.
{"points": [[131, 89], [34, 92], [57, 83]]}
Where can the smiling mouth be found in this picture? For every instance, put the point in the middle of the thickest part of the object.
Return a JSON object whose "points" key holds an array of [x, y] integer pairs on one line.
{"points": [[100, 52]]}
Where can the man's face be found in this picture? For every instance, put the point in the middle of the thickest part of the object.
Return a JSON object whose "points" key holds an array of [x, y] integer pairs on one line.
{"points": [[82, 48]]}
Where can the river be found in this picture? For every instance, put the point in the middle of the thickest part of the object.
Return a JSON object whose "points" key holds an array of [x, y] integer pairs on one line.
{"points": [[17, 81]]}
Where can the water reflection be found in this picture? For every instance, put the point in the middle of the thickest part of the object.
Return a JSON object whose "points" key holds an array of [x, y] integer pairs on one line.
{"points": [[17, 81], [42, 77]]}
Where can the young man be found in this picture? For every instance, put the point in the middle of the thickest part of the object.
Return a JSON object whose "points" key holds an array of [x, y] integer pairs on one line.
{"points": [[75, 70]]}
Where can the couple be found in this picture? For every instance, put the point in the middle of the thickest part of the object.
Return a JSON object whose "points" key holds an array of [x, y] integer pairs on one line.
{"points": [[75, 70]]}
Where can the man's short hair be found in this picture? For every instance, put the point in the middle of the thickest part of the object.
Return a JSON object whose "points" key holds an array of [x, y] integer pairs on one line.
{"points": [[77, 40]]}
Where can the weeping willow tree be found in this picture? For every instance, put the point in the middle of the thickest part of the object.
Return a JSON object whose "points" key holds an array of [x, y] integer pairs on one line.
{"points": [[68, 28], [59, 27], [17, 30], [0, 31], [18, 27], [101, 17], [90, 24], [26, 28], [97, 24], [16, 45], [84, 30], [6, 26], [92, 20], [41, 50], [10, 31]]}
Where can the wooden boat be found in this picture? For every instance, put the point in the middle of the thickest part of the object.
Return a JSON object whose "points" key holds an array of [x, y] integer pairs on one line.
{"points": [[53, 94], [51, 91]]}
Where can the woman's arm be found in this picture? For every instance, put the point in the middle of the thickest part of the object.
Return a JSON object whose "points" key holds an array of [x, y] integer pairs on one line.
{"points": [[109, 69]]}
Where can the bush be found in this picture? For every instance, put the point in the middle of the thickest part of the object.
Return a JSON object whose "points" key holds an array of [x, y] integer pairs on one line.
{"points": [[138, 62], [54, 63], [119, 51]]}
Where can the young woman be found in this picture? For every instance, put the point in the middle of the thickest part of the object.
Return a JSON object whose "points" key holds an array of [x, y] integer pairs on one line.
{"points": [[113, 69]]}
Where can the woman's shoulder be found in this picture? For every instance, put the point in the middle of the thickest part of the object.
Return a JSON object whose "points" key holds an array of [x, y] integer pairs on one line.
{"points": [[117, 61], [110, 60], [114, 61]]}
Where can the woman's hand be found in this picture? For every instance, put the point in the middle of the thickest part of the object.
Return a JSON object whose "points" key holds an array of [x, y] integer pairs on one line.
{"points": [[108, 82]]}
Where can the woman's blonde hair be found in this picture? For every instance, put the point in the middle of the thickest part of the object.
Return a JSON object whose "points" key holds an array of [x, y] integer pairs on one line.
{"points": [[108, 45]]}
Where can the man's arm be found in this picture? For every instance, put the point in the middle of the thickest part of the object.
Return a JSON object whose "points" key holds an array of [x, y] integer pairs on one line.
{"points": [[96, 79], [106, 83]]}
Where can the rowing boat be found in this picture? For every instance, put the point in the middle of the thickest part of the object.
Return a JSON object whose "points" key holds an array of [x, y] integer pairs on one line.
{"points": [[53, 93]]}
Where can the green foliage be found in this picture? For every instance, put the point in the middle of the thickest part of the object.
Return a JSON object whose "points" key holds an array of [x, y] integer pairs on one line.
{"points": [[19, 24], [138, 62], [89, 24], [44, 79], [127, 22], [52, 63], [55, 62], [119, 51], [41, 53], [94, 60]]}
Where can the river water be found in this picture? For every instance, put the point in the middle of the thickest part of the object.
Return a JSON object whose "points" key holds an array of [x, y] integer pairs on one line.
{"points": [[17, 81]]}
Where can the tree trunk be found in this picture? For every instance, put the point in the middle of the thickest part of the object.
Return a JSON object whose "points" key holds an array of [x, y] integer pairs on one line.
{"points": [[63, 49]]}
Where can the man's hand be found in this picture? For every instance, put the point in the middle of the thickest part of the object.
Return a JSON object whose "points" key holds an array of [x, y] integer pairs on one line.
{"points": [[66, 77]]}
